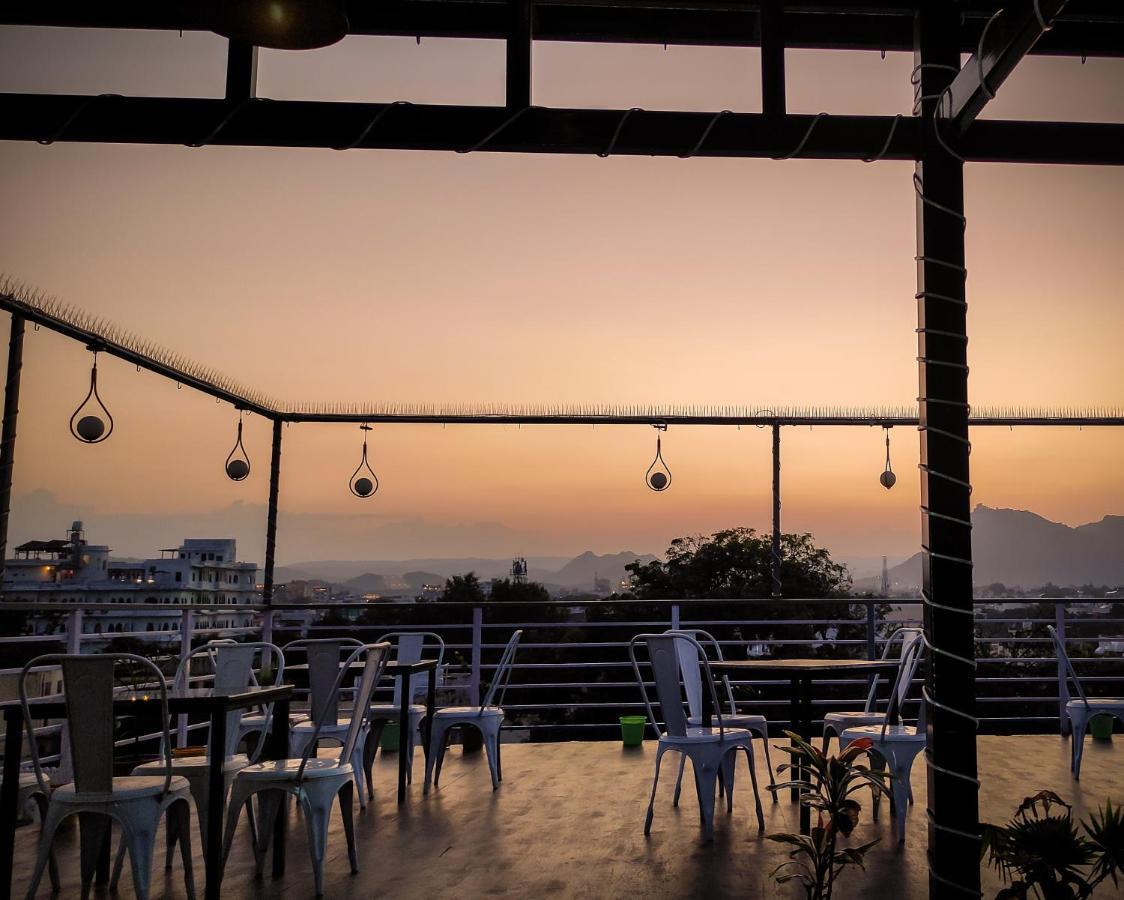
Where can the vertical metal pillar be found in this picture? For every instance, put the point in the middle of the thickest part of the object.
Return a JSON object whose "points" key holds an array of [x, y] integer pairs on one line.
{"points": [[8, 441], [271, 516], [241, 71], [771, 18], [1064, 724], [946, 535], [775, 561], [519, 55], [477, 653]]}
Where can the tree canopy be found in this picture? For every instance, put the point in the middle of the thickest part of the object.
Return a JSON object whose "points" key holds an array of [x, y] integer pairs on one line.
{"points": [[736, 564], [463, 589]]}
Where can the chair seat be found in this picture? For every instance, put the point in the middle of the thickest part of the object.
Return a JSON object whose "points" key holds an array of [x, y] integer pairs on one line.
{"points": [[1104, 703], [895, 734], [129, 787], [193, 766], [854, 718], [698, 735], [467, 712], [326, 730], [287, 769]]}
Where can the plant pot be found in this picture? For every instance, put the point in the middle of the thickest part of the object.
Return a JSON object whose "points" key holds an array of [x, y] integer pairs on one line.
{"points": [[389, 740], [1100, 727], [632, 730]]}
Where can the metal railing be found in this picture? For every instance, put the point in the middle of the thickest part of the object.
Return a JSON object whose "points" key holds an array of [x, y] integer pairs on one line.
{"points": [[572, 678]]}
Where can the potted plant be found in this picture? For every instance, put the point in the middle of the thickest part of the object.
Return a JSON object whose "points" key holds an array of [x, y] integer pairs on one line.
{"points": [[1045, 854], [827, 786]]}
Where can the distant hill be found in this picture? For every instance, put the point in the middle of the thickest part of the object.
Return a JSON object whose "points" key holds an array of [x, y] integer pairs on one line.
{"points": [[580, 571], [368, 583], [1020, 548]]}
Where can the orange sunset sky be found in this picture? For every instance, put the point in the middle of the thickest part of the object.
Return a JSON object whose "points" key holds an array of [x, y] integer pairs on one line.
{"points": [[395, 276]]}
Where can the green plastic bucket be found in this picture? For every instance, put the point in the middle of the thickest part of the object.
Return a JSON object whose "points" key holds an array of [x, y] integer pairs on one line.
{"points": [[632, 730], [389, 739], [1100, 727]]}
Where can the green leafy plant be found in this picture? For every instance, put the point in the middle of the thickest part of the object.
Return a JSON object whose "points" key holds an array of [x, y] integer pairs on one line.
{"points": [[827, 785], [1047, 855]]}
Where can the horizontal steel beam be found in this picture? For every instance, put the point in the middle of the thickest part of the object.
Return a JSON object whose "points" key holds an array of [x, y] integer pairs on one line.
{"points": [[403, 126], [1091, 28]]}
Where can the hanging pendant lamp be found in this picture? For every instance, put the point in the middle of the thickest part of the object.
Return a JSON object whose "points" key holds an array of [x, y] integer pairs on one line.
{"points": [[888, 479], [282, 24], [363, 482], [658, 476], [238, 462], [89, 421]]}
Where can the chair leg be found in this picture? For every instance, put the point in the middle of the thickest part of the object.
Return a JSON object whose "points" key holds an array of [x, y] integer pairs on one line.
{"points": [[491, 741], [436, 753], [726, 772], [652, 800], [370, 748], [1078, 748], [93, 832], [499, 755], [442, 747], [768, 760], [348, 815], [899, 787], [49, 824], [180, 812], [140, 837], [240, 795], [828, 732], [42, 803], [317, 800], [679, 778], [753, 781], [358, 774], [706, 778]]}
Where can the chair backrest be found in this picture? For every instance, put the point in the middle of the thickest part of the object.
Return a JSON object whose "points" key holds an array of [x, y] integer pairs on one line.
{"points": [[906, 636], [689, 668], [233, 666], [373, 657], [665, 657], [89, 689], [409, 648], [907, 668], [1071, 673], [323, 656], [502, 674]]}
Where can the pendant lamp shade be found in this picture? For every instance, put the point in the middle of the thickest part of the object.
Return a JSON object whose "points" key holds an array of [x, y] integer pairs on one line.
{"points": [[282, 24]]}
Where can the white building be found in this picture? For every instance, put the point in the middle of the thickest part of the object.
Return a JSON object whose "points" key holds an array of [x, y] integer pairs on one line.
{"points": [[202, 574]]}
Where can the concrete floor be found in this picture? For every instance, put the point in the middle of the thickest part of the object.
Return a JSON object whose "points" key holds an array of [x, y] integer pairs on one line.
{"points": [[568, 822]]}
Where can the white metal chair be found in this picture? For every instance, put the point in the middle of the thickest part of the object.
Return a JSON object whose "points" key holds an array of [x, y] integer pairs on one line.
{"points": [[692, 685], [409, 647], [315, 780], [233, 667], [1082, 709], [711, 750], [135, 803], [487, 719], [269, 670], [836, 722], [324, 686], [30, 789], [897, 744]]}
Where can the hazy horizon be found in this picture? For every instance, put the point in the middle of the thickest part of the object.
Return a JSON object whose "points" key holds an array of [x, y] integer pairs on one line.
{"points": [[491, 278]]}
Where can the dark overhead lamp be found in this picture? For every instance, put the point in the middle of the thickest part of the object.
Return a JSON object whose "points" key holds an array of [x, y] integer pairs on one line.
{"points": [[282, 24]]}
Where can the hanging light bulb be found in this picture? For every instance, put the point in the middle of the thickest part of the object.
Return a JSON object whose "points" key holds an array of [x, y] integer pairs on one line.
{"points": [[363, 483], [658, 476], [282, 24], [238, 462], [91, 422], [888, 479]]}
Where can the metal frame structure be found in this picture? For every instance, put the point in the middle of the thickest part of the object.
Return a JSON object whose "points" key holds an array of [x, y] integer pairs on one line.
{"points": [[942, 134]]}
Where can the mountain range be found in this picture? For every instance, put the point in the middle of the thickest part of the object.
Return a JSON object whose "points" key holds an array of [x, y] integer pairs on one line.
{"points": [[1016, 547]]}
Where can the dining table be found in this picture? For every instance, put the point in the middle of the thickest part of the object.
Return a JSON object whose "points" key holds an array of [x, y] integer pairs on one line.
{"points": [[800, 674], [403, 672], [202, 703]]}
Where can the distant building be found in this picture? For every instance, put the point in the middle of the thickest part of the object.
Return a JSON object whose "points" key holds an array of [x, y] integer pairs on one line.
{"points": [[200, 573]]}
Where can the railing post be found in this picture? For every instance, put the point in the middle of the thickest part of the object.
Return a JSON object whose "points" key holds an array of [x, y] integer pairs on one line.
{"points": [[8, 439], [477, 641], [1064, 725], [675, 616], [871, 632], [74, 632], [187, 626], [267, 626]]}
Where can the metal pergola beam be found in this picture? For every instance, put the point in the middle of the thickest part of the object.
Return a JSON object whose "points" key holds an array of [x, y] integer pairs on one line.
{"points": [[1009, 37], [276, 123], [1090, 28]]}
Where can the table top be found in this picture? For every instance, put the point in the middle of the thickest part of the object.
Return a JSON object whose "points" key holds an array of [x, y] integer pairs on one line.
{"points": [[183, 700], [797, 668]]}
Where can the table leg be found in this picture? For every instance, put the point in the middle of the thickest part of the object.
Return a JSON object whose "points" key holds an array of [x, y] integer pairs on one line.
{"points": [[278, 748], [430, 708], [804, 729], [216, 801], [403, 724], [9, 795], [794, 715]]}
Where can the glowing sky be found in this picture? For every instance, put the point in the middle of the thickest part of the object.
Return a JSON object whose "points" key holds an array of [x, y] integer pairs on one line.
{"points": [[382, 275]]}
